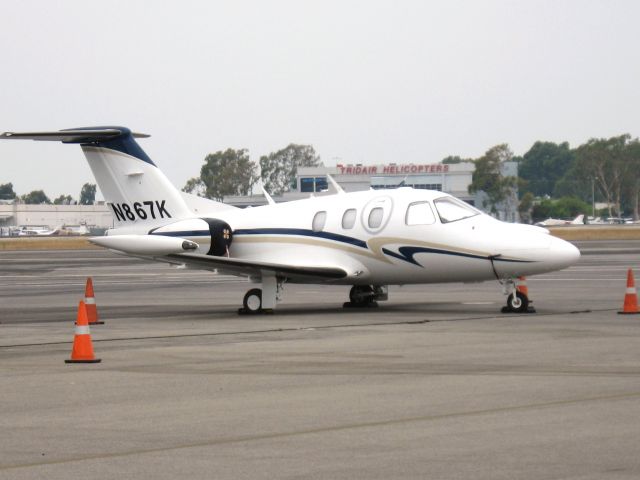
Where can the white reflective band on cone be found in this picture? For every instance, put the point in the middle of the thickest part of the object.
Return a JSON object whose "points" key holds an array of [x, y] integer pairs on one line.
{"points": [[89, 300], [631, 290], [82, 329]]}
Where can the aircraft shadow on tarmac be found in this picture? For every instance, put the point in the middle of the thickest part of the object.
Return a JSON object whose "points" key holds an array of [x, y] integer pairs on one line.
{"points": [[179, 313]]}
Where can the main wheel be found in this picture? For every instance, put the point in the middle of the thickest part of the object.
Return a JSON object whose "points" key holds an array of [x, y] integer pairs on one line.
{"points": [[252, 302], [361, 295], [517, 302]]}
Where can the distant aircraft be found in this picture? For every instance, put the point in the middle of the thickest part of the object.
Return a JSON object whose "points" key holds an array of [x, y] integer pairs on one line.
{"points": [[36, 232], [552, 222], [367, 240]]}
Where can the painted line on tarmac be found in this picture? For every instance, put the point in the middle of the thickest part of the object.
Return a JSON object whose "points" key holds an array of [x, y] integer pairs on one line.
{"points": [[212, 442]]}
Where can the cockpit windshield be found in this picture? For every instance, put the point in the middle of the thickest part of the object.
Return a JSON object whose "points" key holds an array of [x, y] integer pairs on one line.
{"points": [[450, 209]]}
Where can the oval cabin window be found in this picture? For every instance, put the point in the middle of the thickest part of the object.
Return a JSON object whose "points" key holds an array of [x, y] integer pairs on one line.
{"points": [[375, 217], [349, 218], [319, 220]]}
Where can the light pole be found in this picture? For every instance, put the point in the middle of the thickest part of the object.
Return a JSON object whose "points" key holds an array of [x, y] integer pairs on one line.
{"points": [[593, 197]]}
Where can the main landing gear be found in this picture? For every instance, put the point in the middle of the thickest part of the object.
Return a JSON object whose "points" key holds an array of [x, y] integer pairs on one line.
{"points": [[257, 301], [366, 296], [517, 300]]}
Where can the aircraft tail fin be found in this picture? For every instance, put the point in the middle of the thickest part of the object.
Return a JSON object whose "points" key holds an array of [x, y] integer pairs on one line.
{"points": [[138, 193]]}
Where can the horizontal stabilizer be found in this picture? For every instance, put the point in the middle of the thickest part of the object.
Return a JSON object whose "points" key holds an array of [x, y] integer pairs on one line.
{"points": [[71, 136], [80, 135]]}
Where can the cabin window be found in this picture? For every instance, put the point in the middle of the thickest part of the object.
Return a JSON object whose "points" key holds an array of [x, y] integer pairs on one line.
{"points": [[375, 217], [451, 209], [420, 214], [349, 218], [319, 220]]}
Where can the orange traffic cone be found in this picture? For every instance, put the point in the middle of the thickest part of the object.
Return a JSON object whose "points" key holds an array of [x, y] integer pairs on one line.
{"points": [[631, 296], [82, 351], [522, 286], [90, 302]]}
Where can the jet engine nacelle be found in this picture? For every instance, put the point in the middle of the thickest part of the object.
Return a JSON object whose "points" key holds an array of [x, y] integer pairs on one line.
{"points": [[219, 235], [146, 244]]}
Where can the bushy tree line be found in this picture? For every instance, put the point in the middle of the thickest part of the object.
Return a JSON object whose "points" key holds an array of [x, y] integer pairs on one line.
{"points": [[38, 197], [231, 172], [555, 180], [602, 169]]}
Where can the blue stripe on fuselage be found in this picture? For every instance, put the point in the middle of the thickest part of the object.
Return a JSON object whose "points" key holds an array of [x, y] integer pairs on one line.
{"points": [[304, 233], [406, 253]]}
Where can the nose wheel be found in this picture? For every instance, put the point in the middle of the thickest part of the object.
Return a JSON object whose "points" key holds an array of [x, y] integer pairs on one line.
{"points": [[517, 300]]}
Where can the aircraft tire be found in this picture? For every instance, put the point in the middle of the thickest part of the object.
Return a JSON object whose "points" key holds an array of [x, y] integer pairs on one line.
{"points": [[252, 301], [517, 302], [361, 295]]}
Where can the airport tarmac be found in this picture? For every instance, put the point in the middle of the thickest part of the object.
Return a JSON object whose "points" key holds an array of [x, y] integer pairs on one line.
{"points": [[436, 383]]}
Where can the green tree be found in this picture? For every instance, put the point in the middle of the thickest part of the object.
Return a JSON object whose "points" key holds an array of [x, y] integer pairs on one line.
{"points": [[63, 200], [228, 172], [453, 159], [36, 197], [525, 207], [606, 162], [569, 208], [6, 191], [194, 186], [631, 184], [573, 184], [88, 194], [563, 208], [542, 210], [488, 178], [544, 165], [279, 169]]}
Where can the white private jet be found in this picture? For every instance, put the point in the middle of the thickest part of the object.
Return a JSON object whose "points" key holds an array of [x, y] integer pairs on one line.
{"points": [[368, 239]]}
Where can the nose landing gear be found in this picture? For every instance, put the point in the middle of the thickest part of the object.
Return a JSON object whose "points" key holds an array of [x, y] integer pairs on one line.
{"points": [[517, 300]]}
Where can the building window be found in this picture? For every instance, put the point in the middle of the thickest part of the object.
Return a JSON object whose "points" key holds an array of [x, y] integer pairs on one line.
{"points": [[321, 184], [349, 218], [307, 185], [420, 214], [313, 184], [319, 220], [375, 217]]}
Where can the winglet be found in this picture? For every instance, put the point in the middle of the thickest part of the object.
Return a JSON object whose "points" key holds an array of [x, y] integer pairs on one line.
{"points": [[335, 184]]}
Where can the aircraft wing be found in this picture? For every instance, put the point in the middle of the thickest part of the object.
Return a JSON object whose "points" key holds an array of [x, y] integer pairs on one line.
{"points": [[235, 266]]}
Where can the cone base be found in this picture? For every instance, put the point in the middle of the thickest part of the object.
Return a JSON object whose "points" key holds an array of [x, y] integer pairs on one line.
{"points": [[95, 360], [628, 313], [96, 323]]}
